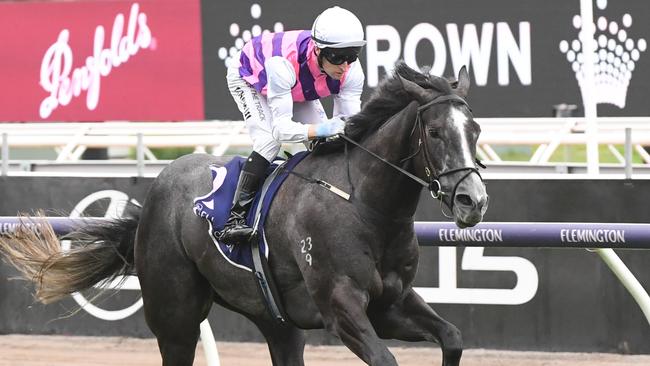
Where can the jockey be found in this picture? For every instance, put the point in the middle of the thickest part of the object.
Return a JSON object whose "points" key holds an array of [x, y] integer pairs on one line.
{"points": [[277, 86]]}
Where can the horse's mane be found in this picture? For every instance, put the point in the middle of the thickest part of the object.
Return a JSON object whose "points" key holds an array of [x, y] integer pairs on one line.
{"points": [[388, 98]]}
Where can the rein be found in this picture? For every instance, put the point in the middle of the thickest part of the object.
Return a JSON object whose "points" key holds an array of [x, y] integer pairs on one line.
{"points": [[433, 185]]}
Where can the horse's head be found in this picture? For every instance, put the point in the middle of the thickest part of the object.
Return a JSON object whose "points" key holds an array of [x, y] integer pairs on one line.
{"points": [[446, 134]]}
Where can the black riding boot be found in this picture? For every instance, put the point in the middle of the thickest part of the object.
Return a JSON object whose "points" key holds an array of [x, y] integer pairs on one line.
{"points": [[252, 176]]}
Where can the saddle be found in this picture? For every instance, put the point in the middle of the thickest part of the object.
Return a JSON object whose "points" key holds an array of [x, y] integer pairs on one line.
{"points": [[215, 208]]}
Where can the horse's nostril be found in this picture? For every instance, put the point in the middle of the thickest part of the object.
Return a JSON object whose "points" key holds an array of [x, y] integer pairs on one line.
{"points": [[484, 202], [464, 199]]}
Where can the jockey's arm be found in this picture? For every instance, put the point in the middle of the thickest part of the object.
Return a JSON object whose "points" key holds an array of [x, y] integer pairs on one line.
{"points": [[280, 79], [348, 101]]}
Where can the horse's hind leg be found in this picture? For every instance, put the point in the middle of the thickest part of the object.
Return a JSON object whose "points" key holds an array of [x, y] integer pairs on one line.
{"points": [[176, 299], [286, 343], [413, 320]]}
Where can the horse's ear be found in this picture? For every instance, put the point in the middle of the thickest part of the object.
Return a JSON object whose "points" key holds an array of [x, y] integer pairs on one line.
{"points": [[418, 92], [462, 86]]}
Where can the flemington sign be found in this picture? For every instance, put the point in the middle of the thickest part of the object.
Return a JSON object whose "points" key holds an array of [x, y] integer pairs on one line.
{"points": [[482, 282], [101, 60]]}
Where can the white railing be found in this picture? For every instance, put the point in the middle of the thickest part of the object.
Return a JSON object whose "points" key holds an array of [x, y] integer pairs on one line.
{"points": [[546, 134], [550, 133], [72, 139]]}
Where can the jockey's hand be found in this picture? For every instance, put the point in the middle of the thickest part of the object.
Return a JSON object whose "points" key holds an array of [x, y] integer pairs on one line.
{"points": [[331, 127]]}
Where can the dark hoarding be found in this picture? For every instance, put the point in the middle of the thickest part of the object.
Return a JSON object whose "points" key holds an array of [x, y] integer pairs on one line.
{"points": [[505, 298], [524, 56]]}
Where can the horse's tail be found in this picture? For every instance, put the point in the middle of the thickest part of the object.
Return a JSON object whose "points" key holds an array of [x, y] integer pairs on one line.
{"points": [[100, 252]]}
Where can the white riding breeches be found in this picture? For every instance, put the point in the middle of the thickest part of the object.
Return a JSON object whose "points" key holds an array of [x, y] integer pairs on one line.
{"points": [[258, 117]]}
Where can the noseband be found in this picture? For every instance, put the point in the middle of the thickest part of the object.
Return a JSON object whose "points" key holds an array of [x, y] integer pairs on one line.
{"points": [[433, 185]]}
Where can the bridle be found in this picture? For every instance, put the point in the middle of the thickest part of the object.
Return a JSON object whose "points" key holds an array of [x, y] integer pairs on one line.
{"points": [[433, 184]]}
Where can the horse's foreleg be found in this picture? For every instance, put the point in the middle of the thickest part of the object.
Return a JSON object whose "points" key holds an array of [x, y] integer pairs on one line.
{"points": [[286, 343], [414, 320], [346, 317]]}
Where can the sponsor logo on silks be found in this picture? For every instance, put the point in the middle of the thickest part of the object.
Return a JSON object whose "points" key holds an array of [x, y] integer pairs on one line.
{"points": [[615, 58], [229, 55], [592, 236], [477, 235], [240, 94], [117, 203], [64, 83]]}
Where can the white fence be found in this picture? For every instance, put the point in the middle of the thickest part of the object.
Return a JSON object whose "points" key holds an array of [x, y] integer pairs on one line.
{"points": [[545, 135], [550, 133]]}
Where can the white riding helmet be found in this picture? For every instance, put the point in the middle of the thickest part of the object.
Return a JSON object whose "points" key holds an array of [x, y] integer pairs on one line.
{"points": [[337, 28]]}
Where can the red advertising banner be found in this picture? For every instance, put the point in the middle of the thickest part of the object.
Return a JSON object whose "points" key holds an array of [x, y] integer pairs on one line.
{"points": [[101, 60]]}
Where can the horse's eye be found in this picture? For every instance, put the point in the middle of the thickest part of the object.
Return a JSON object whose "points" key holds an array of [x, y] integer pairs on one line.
{"points": [[434, 132]]}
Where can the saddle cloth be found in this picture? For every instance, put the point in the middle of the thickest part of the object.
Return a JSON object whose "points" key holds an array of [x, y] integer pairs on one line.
{"points": [[215, 206]]}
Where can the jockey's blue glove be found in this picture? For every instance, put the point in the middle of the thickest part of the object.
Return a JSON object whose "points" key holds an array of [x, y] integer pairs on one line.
{"points": [[331, 127]]}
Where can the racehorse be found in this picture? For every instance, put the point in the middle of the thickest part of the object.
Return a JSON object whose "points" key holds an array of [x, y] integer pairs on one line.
{"points": [[344, 265]]}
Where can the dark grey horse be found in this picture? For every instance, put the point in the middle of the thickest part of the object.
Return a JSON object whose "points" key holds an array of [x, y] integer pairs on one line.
{"points": [[346, 266]]}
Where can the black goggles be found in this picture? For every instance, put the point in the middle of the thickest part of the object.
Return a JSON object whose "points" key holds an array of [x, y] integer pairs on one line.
{"points": [[337, 56]]}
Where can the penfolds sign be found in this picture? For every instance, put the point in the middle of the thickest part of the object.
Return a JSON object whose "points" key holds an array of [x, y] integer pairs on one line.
{"points": [[64, 83], [95, 61]]}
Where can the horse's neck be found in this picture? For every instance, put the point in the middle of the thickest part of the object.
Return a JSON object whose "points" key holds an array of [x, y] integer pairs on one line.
{"points": [[378, 185]]}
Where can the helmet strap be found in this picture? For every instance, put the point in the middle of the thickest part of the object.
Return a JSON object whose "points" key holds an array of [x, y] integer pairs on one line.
{"points": [[319, 57]]}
